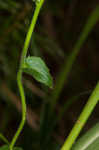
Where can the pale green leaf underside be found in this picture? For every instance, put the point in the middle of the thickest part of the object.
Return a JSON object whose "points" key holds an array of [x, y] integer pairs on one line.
{"points": [[36, 67], [90, 141], [6, 147]]}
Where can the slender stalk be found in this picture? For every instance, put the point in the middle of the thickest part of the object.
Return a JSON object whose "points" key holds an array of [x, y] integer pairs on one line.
{"points": [[89, 139], [4, 139], [19, 74], [88, 109], [61, 113], [31, 29], [64, 74]]}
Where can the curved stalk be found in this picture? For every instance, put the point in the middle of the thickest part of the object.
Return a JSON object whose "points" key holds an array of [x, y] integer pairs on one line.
{"points": [[19, 74]]}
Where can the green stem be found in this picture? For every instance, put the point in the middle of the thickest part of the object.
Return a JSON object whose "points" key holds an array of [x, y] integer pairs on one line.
{"points": [[63, 76], [19, 74], [4, 139], [31, 29], [88, 140], [88, 109]]}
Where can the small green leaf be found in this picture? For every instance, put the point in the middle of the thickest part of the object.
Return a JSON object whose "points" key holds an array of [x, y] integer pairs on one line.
{"points": [[36, 67], [6, 147]]}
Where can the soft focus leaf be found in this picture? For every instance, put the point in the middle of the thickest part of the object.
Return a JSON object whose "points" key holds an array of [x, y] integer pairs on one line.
{"points": [[17, 148], [3, 138], [6, 147], [90, 141], [36, 67]]}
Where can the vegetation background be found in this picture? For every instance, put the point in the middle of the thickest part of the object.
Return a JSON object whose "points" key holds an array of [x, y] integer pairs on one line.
{"points": [[58, 28]]}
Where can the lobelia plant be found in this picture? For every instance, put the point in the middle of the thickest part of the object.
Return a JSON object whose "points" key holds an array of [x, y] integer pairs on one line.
{"points": [[33, 66], [36, 67]]}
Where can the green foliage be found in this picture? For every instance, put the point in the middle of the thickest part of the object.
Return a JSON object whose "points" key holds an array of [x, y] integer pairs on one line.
{"points": [[3, 139], [17, 148], [6, 147], [64, 74], [20, 71], [36, 67], [89, 141], [53, 39], [86, 112], [93, 100], [9, 5]]}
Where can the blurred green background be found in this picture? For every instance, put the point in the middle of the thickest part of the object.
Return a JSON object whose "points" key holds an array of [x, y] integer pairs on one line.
{"points": [[58, 28]]}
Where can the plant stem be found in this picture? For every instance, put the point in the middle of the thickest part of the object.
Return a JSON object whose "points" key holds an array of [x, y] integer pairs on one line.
{"points": [[88, 139], [88, 109], [64, 74], [31, 29], [4, 139], [19, 74]]}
